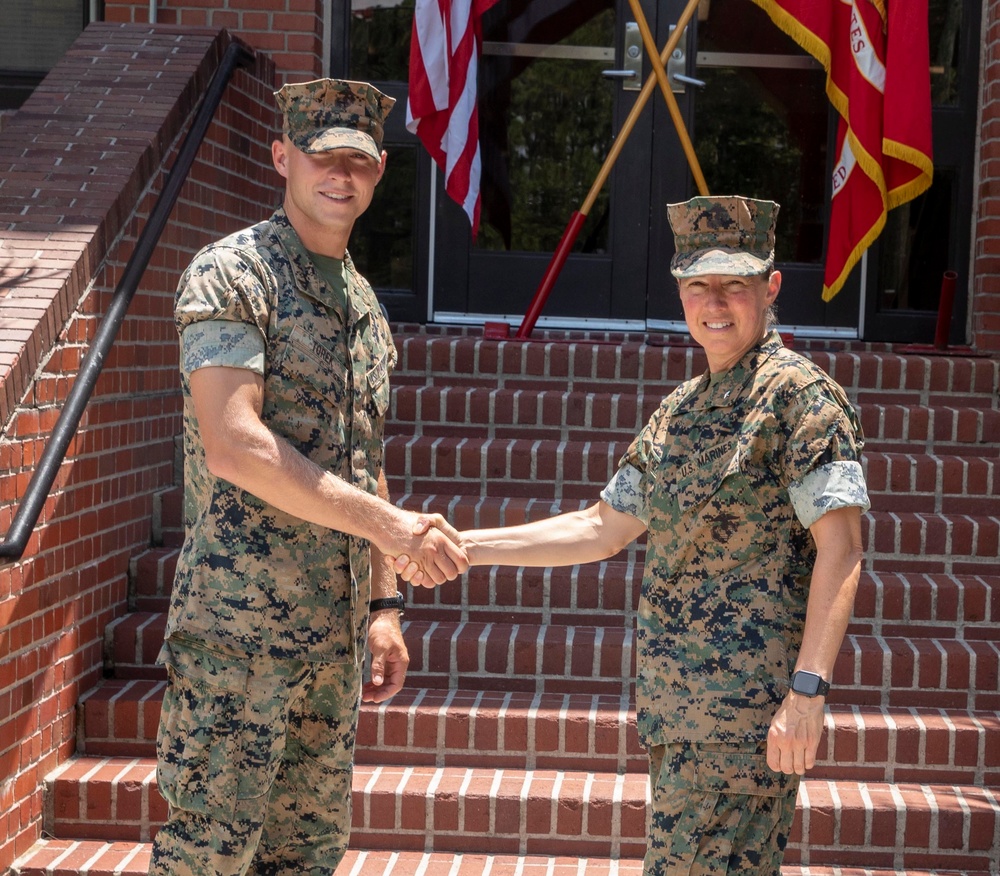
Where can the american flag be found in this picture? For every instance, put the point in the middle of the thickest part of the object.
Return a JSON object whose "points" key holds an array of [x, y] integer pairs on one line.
{"points": [[441, 110]]}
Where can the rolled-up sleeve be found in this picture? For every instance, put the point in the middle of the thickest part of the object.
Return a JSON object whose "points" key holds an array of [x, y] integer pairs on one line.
{"points": [[222, 343], [221, 311], [834, 485], [625, 492]]}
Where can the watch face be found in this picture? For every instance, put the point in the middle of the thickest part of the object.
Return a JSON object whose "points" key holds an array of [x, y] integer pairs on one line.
{"points": [[806, 683]]}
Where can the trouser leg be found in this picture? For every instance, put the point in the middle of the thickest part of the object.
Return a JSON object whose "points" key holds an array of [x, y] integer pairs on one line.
{"points": [[717, 809], [309, 816], [254, 758]]}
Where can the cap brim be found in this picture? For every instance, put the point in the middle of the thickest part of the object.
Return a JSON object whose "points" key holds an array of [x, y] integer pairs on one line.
{"points": [[721, 260], [339, 138]]}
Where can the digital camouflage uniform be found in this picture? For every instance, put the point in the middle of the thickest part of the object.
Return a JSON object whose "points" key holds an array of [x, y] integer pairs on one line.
{"points": [[267, 626], [728, 475]]}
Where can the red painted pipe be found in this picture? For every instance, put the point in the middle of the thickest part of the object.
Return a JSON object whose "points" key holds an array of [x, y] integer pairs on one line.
{"points": [[943, 328], [551, 274]]}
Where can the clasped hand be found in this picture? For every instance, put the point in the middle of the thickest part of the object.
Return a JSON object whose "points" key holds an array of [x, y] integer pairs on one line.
{"points": [[426, 550], [444, 558]]}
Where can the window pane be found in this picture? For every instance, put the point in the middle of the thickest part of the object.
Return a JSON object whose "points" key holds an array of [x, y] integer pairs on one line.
{"points": [[944, 24], [545, 125], [380, 40], [914, 247], [36, 33], [741, 26], [382, 240], [763, 134], [761, 130]]}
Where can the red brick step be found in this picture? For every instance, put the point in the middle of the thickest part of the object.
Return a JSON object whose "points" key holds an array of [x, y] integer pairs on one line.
{"points": [[578, 469], [864, 370], [958, 544], [895, 604], [51, 857], [871, 670], [553, 812], [506, 729], [557, 414]]}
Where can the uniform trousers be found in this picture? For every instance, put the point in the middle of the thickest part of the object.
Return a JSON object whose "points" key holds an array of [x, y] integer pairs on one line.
{"points": [[254, 757], [717, 809]]}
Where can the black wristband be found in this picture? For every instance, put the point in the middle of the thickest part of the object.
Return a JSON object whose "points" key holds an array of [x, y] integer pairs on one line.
{"points": [[395, 602]]}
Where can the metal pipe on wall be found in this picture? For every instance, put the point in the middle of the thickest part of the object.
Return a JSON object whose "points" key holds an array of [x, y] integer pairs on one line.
{"points": [[152, 11]]}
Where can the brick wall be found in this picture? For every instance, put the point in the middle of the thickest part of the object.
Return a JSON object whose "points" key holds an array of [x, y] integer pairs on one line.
{"points": [[985, 310], [80, 165], [290, 31]]}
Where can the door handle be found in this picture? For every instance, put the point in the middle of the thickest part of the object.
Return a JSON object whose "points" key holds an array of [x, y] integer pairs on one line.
{"points": [[631, 60], [688, 80]]}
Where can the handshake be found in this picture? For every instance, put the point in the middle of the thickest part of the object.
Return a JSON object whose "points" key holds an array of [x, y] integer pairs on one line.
{"points": [[425, 550]]}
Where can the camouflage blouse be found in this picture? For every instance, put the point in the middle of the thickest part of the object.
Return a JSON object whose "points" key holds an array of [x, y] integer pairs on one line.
{"points": [[250, 575], [728, 475]]}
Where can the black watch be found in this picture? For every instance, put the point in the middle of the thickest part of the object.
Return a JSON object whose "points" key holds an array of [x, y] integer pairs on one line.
{"points": [[809, 684], [395, 602]]}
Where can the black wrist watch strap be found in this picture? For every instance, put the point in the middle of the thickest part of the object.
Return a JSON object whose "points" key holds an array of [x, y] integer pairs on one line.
{"points": [[395, 602], [809, 684]]}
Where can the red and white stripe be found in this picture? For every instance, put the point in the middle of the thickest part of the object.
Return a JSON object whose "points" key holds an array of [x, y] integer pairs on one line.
{"points": [[441, 111]]}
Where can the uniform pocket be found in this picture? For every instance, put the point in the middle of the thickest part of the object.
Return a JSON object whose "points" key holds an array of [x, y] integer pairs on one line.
{"points": [[199, 739], [305, 358], [740, 772], [720, 511]]}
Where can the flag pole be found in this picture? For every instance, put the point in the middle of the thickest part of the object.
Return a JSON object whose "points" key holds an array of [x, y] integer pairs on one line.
{"points": [[579, 216], [668, 96]]}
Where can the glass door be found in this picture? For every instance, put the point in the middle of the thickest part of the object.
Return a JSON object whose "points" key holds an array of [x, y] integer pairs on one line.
{"points": [[929, 237], [548, 113]]}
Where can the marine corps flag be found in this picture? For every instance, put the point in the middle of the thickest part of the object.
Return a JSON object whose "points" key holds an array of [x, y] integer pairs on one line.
{"points": [[441, 111], [877, 62]]}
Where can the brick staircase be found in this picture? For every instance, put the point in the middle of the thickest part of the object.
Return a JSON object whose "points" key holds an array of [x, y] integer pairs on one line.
{"points": [[513, 749]]}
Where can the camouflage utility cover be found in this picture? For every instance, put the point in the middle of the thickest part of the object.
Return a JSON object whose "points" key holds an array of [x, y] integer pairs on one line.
{"points": [[728, 562], [722, 235], [250, 575], [334, 114]]}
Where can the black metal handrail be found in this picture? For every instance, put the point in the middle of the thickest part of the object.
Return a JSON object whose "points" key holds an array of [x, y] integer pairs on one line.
{"points": [[13, 547]]}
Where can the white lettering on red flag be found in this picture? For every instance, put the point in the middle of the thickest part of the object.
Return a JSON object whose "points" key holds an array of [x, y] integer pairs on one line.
{"points": [[877, 62]]}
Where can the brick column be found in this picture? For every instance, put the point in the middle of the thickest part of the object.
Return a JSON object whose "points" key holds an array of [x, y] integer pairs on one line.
{"points": [[985, 310]]}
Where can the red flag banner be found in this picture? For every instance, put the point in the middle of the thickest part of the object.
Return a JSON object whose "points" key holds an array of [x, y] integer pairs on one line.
{"points": [[441, 111], [877, 62]]}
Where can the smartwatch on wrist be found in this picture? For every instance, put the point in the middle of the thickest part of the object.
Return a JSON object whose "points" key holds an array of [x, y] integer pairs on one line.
{"points": [[809, 684], [395, 602]]}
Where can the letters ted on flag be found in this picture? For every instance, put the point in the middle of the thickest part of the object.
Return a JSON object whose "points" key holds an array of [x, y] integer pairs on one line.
{"points": [[877, 62], [441, 111]]}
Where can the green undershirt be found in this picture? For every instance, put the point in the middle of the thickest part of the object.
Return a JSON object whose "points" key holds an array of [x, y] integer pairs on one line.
{"points": [[334, 272]]}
